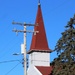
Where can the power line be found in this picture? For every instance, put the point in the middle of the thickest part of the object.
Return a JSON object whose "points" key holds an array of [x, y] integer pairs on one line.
{"points": [[55, 8], [60, 5], [3, 54], [12, 69], [10, 61]]}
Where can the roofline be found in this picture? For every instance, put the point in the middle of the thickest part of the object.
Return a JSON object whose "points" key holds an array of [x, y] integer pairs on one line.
{"points": [[44, 51]]}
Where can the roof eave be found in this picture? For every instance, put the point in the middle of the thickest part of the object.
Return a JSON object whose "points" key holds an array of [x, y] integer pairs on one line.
{"points": [[44, 51]]}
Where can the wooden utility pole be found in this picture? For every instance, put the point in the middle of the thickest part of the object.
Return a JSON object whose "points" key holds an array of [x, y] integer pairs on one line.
{"points": [[25, 31]]}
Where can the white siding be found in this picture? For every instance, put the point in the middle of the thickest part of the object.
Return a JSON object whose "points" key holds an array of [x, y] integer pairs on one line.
{"points": [[39, 59]]}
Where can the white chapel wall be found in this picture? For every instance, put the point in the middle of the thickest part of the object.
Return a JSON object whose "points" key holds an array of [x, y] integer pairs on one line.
{"points": [[39, 59]]}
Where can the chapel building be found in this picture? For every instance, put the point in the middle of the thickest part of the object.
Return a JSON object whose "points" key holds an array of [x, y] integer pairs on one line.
{"points": [[39, 53]]}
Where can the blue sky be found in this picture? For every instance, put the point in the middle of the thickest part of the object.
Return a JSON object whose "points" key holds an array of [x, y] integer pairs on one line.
{"points": [[56, 14]]}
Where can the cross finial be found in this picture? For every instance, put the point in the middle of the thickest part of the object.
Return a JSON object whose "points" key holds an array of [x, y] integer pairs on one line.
{"points": [[39, 2]]}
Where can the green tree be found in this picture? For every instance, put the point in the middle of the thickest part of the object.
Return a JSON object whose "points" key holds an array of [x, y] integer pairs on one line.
{"points": [[65, 47]]}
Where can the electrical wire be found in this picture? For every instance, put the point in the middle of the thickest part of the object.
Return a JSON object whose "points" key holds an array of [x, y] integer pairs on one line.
{"points": [[60, 5], [4, 51], [10, 61], [7, 44], [55, 8], [51, 10], [12, 69]]}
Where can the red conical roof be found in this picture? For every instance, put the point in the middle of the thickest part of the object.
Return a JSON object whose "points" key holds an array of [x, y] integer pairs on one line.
{"points": [[39, 40]]}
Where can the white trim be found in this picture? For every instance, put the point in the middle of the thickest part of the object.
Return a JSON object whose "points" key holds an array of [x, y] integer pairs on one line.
{"points": [[37, 70], [32, 70]]}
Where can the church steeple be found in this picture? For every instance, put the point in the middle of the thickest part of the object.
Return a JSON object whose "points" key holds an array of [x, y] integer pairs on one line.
{"points": [[39, 41]]}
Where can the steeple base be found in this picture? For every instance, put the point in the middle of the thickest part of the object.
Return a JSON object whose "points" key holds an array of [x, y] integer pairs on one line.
{"points": [[39, 59]]}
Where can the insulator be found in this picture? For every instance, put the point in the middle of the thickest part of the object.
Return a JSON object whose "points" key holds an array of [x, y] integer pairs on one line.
{"points": [[22, 62], [27, 66], [27, 62]]}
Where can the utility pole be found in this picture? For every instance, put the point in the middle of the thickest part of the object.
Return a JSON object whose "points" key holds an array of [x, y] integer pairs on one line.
{"points": [[25, 31]]}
